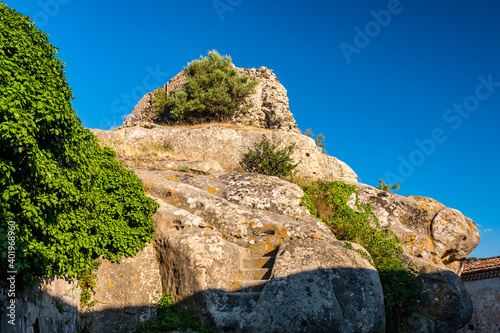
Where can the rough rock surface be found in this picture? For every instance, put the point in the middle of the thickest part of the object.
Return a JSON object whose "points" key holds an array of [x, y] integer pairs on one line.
{"points": [[269, 104], [226, 146], [437, 240], [429, 230], [242, 252], [125, 294], [49, 307]]}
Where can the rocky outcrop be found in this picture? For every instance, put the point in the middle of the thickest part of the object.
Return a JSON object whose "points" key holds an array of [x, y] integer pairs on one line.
{"points": [[241, 251], [269, 106], [51, 306], [437, 241], [429, 230], [124, 295], [222, 144]]}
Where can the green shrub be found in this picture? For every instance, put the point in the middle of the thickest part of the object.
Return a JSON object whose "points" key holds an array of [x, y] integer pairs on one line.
{"points": [[170, 317], [387, 187], [402, 288], [268, 159], [213, 91], [70, 200]]}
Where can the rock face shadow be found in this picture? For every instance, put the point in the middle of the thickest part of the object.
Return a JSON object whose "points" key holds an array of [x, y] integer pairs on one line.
{"points": [[323, 300]]}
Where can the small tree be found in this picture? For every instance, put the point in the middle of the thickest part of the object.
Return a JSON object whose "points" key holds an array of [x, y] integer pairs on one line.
{"points": [[387, 187], [213, 91], [318, 140], [268, 159]]}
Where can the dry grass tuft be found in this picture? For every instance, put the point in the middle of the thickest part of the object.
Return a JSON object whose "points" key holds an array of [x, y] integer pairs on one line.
{"points": [[218, 124]]}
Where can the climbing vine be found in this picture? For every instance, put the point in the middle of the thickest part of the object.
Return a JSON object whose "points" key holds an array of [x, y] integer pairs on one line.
{"points": [[68, 200], [401, 284]]}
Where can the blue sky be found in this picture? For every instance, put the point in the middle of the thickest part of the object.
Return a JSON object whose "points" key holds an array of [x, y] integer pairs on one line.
{"points": [[402, 90]]}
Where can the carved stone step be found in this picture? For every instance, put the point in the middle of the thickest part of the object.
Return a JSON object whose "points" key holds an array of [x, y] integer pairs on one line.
{"points": [[250, 285], [259, 262], [255, 274]]}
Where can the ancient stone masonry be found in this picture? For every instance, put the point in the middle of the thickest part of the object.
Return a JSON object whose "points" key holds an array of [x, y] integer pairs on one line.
{"points": [[270, 108], [269, 104]]}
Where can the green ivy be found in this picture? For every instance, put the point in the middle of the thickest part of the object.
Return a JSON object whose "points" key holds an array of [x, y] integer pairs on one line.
{"points": [[71, 201], [402, 288]]}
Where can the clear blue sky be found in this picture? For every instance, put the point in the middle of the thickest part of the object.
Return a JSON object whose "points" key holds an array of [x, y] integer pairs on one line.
{"points": [[404, 90]]}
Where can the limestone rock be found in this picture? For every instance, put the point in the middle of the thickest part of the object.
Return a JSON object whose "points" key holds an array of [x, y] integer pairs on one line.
{"points": [[258, 265], [125, 294], [429, 230], [320, 281], [144, 112], [437, 240], [50, 307], [205, 167], [222, 144], [251, 190], [269, 104], [270, 108]]}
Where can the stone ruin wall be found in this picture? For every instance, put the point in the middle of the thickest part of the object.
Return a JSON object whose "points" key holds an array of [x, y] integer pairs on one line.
{"points": [[270, 108]]}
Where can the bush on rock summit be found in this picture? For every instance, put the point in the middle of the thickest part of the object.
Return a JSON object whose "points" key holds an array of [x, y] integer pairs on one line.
{"points": [[213, 91]]}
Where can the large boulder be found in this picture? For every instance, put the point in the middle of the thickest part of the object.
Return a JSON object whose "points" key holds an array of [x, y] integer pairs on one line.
{"points": [[125, 294], [241, 251], [269, 106], [436, 240], [224, 144]]}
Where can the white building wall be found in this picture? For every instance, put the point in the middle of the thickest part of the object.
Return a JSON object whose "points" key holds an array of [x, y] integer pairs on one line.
{"points": [[485, 296]]}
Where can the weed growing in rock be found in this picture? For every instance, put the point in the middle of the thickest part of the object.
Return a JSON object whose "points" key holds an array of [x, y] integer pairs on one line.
{"points": [[268, 159], [86, 282], [213, 91], [402, 288], [387, 187], [318, 139], [60, 307], [170, 318]]}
